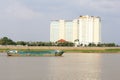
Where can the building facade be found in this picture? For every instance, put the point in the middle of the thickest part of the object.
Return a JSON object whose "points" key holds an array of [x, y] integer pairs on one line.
{"points": [[85, 29]]}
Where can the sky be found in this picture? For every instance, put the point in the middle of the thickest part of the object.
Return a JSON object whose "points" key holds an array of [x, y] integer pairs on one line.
{"points": [[29, 20]]}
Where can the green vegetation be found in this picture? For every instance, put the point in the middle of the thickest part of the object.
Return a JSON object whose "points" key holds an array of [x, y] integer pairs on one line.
{"points": [[65, 49], [8, 44], [112, 50], [8, 41], [94, 51]]}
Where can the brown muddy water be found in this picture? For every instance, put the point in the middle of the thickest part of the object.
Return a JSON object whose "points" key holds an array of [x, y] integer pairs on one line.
{"points": [[70, 66]]}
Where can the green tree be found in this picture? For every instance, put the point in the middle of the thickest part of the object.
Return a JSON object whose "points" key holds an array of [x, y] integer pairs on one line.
{"points": [[6, 41], [21, 43], [91, 45]]}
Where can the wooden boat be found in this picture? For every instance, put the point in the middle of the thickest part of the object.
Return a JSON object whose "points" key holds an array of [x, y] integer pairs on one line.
{"points": [[35, 53]]}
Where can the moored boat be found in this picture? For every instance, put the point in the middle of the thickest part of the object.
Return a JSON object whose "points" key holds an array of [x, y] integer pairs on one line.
{"points": [[35, 53]]}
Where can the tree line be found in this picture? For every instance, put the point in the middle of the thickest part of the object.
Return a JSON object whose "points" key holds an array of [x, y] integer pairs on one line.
{"points": [[8, 41]]}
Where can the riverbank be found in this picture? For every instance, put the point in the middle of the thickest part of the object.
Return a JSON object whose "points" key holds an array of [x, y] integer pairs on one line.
{"points": [[66, 49]]}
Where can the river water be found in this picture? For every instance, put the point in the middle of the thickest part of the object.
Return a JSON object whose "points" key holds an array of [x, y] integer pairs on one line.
{"points": [[71, 66]]}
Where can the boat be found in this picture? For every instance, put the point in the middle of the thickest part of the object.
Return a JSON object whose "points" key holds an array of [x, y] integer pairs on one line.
{"points": [[35, 53]]}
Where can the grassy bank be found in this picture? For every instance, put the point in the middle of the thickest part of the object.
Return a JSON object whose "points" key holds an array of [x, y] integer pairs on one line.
{"points": [[94, 51], [66, 49]]}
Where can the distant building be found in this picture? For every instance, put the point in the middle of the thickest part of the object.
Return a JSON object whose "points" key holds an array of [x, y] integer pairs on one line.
{"points": [[85, 29]]}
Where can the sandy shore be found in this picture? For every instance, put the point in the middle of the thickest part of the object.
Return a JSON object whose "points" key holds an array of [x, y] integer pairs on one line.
{"points": [[66, 49], [57, 48]]}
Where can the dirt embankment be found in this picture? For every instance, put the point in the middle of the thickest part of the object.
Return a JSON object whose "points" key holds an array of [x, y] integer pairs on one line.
{"points": [[66, 49]]}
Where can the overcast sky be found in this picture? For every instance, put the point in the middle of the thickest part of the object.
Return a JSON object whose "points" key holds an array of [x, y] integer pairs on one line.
{"points": [[29, 20]]}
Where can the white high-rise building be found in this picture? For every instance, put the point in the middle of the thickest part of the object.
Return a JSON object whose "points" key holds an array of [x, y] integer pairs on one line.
{"points": [[86, 29]]}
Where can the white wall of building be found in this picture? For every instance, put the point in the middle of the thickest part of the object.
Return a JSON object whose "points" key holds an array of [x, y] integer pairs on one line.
{"points": [[54, 31], [75, 30], [61, 29], [85, 28]]}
